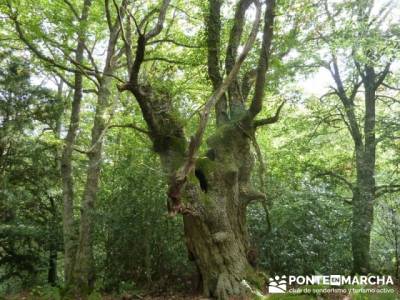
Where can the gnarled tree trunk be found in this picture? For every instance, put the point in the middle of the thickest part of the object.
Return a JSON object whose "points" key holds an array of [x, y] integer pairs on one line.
{"points": [[217, 235], [215, 200], [211, 191]]}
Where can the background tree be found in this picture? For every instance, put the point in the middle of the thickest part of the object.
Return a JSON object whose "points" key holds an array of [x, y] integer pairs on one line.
{"points": [[30, 229], [361, 55]]}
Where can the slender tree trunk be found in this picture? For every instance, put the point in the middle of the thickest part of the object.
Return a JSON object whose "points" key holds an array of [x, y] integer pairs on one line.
{"points": [[363, 211], [84, 274], [54, 246], [69, 232], [84, 271], [364, 196], [53, 243], [67, 181]]}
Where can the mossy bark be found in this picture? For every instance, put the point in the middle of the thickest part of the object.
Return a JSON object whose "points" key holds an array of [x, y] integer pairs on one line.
{"points": [[214, 204], [84, 267], [364, 193], [363, 212], [215, 222], [69, 232]]}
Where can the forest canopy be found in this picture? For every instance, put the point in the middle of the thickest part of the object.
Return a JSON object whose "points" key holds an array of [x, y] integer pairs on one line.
{"points": [[187, 148]]}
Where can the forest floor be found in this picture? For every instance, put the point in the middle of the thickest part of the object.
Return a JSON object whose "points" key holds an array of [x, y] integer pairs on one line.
{"points": [[27, 295], [51, 293]]}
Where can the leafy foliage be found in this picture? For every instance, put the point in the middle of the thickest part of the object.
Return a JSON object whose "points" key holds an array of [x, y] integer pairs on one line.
{"points": [[303, 227]]}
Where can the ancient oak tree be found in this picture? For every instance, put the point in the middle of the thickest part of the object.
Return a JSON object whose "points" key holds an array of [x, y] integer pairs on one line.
{"points": [[212, 190]]}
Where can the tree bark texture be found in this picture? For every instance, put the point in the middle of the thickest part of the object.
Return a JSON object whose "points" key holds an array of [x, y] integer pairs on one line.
{"points": [[69, 230], [84, 270], [211, 190]]}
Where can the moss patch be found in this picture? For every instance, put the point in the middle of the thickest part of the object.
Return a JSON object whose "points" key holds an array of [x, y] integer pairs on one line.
{"points": [[255, 278]]}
